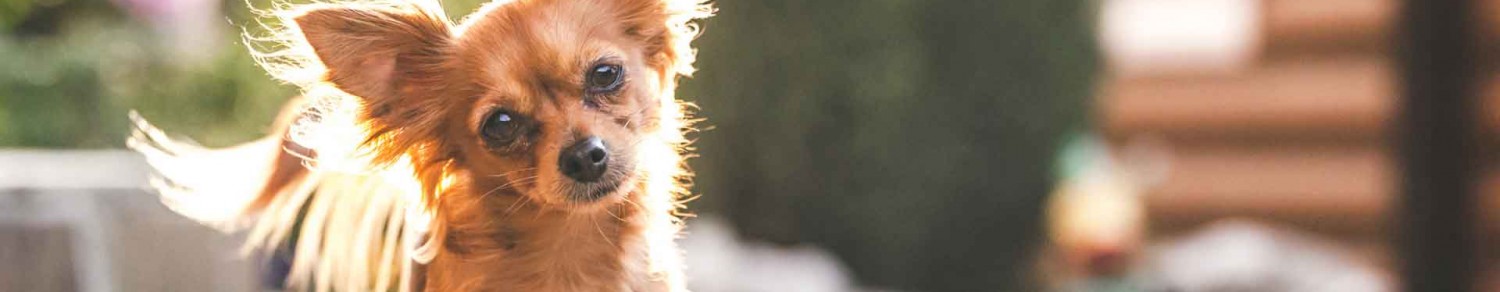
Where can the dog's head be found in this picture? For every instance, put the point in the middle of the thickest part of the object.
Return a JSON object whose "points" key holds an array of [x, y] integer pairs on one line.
{"points": [[549, 99]]}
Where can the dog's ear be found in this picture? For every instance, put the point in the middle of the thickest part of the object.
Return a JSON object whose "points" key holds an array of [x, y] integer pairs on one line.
{"points": [[375, 53], [666, 28], [388, 56]]}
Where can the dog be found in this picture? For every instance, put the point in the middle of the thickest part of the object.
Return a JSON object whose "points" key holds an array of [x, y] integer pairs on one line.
{"points": [[536, 145]]}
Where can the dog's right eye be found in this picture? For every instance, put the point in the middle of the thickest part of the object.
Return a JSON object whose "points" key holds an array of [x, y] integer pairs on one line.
{"points": [[501, 128]]}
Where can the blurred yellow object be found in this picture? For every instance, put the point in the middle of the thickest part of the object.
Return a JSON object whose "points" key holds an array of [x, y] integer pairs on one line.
{"points": [[1096, 217], [1097, 225]]}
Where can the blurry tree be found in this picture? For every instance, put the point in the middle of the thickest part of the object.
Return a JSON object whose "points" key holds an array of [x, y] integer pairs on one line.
{"points": [[912, 138], [70, 70]]}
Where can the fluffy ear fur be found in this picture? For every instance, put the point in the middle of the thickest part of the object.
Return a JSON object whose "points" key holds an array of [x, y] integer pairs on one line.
{"points": [[385, 55], [374, 52], [667, 29], [391, 57]]}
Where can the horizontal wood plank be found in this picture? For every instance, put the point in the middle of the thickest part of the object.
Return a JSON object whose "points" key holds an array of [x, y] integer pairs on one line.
{"points": [[1331, 99]]}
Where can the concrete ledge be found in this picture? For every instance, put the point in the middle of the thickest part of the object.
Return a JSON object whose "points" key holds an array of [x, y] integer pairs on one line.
{"points": [[87, 169], [104, 230]]}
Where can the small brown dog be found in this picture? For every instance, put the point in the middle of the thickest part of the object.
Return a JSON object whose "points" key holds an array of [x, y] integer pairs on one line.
{"points": [[536, 146]]}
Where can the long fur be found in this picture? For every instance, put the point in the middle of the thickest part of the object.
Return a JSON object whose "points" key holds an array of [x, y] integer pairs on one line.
{"points": [[365, 200]]}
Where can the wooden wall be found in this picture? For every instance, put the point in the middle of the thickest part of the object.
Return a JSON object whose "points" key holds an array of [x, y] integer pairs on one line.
{"points": [[1291, 121]]}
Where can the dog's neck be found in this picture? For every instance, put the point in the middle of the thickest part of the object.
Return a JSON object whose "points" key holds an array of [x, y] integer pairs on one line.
{"points": [[510, 244]]}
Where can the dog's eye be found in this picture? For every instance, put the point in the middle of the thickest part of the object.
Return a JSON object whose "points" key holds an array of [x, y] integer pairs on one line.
{"points": [[501, 128], [604, 78]]}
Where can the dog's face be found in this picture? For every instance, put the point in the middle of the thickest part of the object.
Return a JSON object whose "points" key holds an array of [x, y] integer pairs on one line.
{"points": [[563, 96], [547, 99]]}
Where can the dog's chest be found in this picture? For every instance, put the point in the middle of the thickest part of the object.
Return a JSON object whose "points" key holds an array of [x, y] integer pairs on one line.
{"points": [[546, 252]]}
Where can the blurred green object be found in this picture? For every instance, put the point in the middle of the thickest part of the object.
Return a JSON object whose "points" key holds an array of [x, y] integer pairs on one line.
{"points": [[71, 69], [70, 72], [914, 139], [11, 11]]}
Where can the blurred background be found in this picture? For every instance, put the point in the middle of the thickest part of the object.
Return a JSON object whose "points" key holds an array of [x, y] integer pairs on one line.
{"points": [[876, 145]]}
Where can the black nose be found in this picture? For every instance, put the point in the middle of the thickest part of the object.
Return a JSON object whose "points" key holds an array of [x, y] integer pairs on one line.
{"points": [[585, 161]]}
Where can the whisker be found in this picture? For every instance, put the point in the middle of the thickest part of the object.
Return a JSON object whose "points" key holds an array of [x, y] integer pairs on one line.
{"points": [[507, 184], [634, 117], [513, 171], [601, 231], [612, 214], [638, 207], [555, 190], [511, 210]]}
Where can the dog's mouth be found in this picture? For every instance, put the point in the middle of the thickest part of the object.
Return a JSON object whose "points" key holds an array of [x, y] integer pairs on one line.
{"points": [[589, 192]]}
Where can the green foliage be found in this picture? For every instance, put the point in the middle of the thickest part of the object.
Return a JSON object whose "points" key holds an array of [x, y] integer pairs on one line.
{"points": [[11, 11], [913, 138], [72, 87], [70, 82]]}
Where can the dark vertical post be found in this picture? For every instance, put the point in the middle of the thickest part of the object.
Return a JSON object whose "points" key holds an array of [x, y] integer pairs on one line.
{"points": [[1438, 144]]}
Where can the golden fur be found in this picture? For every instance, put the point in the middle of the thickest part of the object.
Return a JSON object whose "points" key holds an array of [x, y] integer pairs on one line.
{"points": [[381, 170]]}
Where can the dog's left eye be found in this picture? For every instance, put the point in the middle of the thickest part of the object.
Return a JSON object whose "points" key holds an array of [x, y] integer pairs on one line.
{"points": [[604, 78]]}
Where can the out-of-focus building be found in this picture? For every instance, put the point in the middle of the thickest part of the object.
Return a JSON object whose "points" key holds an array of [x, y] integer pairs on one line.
{"points": [[1281, 111]]}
